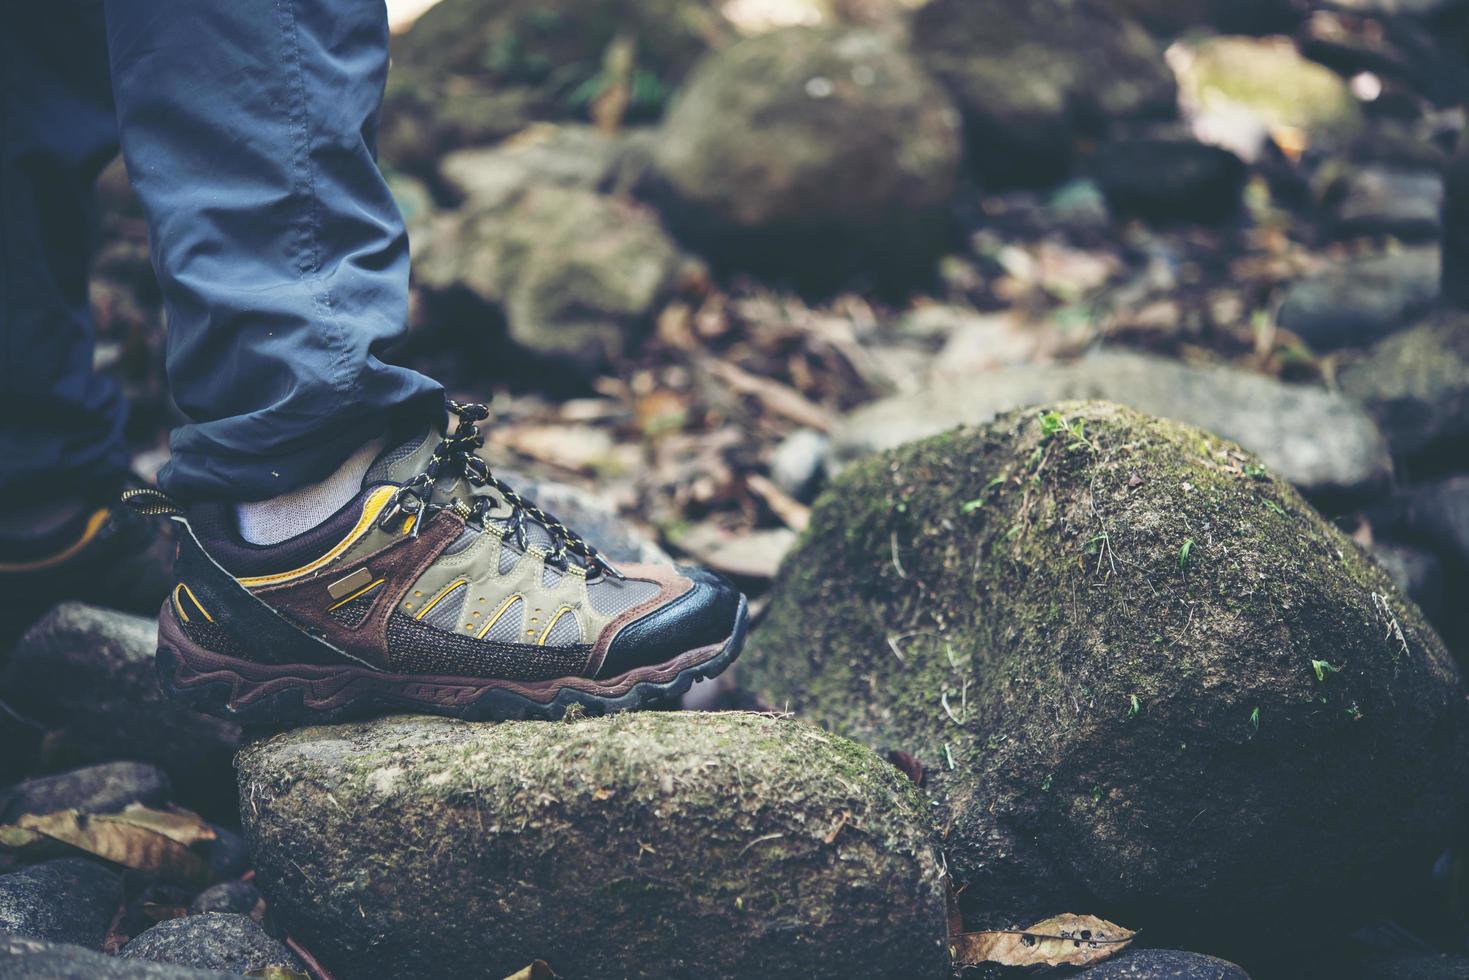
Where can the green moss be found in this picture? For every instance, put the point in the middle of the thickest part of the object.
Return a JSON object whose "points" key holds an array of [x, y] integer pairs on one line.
{"points": [[1018, 634], [675, 845]]}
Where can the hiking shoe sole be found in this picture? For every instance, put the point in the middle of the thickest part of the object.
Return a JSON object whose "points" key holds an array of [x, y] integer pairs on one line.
{"points": [[273, 695]]}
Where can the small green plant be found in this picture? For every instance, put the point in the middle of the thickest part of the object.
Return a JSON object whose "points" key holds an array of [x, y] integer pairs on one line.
{"points": [[1046, 783], [1183, 553], [1353, 712], [970, 506], [1322, 668], [1275, 507], [1256, 471], [1096, 794], [1255, 719], [1136, 706], [1054, 423]]}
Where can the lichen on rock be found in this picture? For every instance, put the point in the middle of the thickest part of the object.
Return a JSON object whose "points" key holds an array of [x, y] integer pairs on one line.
{"points": [[1144, 677], [654, 845]]}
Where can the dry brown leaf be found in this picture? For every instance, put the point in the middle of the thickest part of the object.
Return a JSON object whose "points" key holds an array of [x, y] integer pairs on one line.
{"points": [[794, 514], [1064, 940], [539, 970], [780, 399], [145, 840]]}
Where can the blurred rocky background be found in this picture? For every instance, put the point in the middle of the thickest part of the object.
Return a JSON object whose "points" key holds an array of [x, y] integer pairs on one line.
{"points": [[704, 256]]}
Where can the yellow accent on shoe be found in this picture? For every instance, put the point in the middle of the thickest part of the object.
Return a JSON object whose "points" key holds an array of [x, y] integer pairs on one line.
{"points": [[451, 587], [563, 611], [504, 608], [95, 523], [370, 511], [179, 605]]}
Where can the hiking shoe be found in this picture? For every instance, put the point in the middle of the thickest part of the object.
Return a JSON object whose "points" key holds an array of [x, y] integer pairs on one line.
{"points": [[101, 553], [438, 589]]}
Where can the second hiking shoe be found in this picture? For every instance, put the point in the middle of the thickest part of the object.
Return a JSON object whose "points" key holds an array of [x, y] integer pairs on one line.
{"points": [[438, 589]]}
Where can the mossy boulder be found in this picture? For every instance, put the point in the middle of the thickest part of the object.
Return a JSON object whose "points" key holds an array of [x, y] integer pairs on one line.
{"points": [[810, 154], [1416, 384], [1144, 678], [655, 845], [1034, 78]]}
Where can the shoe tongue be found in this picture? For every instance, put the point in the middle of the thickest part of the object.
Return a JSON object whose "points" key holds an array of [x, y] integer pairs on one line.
{"points": [[406, 460], [403, 461]]}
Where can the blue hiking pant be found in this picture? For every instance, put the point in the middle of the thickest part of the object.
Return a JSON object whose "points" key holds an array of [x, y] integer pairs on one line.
{"points": [[248, 130]]}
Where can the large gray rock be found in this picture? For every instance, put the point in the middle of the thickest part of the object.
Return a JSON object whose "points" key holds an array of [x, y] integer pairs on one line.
{"points": [[810, 154], [1143, 678], [89, 674], [68, 900], [1416, 384], [565, 156], [579, 276], [1032, 78], [104, 788], [32, 959], [652, 845], [1318, 440], [225, 941], [1359, 301], [1164, 964], [1383, 199]]}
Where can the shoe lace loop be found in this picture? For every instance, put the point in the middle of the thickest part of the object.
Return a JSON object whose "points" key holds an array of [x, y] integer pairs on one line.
{"points": [[456, 455]]}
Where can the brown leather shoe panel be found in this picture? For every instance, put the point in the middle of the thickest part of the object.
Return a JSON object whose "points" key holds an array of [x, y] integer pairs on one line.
{"points": [[399, 565]]}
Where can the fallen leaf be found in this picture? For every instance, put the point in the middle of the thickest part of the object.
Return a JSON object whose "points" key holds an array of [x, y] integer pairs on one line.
{"points": [[910, 766], [539, 970], [794, 514], [140, 838], [1064, 940]]}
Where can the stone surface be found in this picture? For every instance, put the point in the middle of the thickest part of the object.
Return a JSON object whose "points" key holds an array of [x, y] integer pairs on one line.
{"points": [[68, 900], [88, 673], [31, 959], [470, 72], [578, 276], [1143, 677], [1359, 301], [565, 156], [1390, 200], [1169, 179], [1031, 78], [798, 461], [810, 154], [1164, 964], [227, 896], [211, 941], [104, 788], [1317, 440], [651, 845], [1410, 966], [1416, 384]]}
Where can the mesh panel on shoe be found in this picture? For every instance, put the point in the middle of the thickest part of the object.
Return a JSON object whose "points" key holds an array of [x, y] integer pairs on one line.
{"points": [[508, 557], [507, 628], [564, 631], [611, 597], [550, 578], [445, 612], [352, 612], [416, 648], [466, 538]]}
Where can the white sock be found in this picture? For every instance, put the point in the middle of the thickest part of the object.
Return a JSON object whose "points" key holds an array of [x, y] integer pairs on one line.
{"points": [[273, 521]]}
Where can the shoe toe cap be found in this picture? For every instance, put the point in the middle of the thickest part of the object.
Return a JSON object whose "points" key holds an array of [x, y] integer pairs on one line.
{"points": [[706, 614]]}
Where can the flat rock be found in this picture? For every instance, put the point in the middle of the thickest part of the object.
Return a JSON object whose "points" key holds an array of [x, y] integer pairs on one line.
{"points": [[224, 941], [1359, 301], [1416, 384], [104, 788], [1389, 200], [1164, 964], [1142, 676], [1169, 179], [68, 900], [32, 959], [1318, 440], [88, 673], [650, 845]]}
